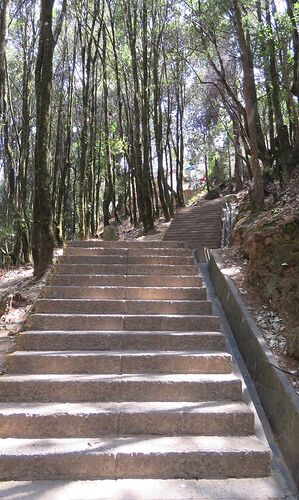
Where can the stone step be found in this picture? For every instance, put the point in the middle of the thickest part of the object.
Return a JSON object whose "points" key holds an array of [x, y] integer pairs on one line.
{"points": [[123, 244], [148, 489], [199, 242], [123, 280], [118, 362], [193, 225], [127, 260], [67, 420], [138, 252], [107, 388], [186, 236], [51, 340], [181, 233], [121, 293], [193, 234], [106, 306], [133, 457], [98, 322], [195, 219], [130, 269]]}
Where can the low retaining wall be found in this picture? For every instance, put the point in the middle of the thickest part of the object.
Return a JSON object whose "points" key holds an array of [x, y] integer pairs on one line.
{"points": [[279, 399]]}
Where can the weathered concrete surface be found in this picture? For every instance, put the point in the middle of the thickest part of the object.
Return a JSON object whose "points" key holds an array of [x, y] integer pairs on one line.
{"points": [[52, 340], [145, 489], [279, 400], [127, 387], [142, 456], [64, 420], [124, 375]]}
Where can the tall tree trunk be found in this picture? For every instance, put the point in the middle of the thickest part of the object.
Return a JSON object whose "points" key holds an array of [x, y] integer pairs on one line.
{"points": [[42, 235], [141, 173], [21, 250], [238, 156], [65, 172], [108, 193], [146, 175], [4, 10], [295, 34], [158, 128], [250, 96]]}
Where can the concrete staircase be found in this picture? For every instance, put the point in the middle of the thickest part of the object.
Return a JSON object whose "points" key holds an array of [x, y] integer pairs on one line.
{"points": [[123, 373], [197, 226]]}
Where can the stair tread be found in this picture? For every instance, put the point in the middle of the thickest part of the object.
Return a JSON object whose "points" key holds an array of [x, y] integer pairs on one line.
{"points": [[100, 315], [124, 332], [150, 489], [130, 352], [163, 301], [151, 377], [139, 445], [88, 408], [158, 288]]}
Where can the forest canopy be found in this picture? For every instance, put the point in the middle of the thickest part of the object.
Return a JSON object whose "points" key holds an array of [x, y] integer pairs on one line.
{"points": [[105, 105]]}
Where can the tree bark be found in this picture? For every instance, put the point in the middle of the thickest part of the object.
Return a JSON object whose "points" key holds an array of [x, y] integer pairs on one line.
{"points": [[42, 235], [250, 96], [4, 10]]}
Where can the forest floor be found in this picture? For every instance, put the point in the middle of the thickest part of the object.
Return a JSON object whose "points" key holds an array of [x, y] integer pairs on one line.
{"points": [[21, 291]]}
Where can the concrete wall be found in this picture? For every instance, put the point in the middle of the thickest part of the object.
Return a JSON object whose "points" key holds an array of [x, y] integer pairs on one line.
{"points": [[278, 397]]}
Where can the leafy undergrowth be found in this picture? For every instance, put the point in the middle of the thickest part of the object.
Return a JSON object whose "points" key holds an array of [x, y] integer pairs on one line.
{"points": [[263, 261]]}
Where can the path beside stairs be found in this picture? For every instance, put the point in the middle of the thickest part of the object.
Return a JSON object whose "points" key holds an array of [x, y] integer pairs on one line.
{"points": [[123, 373]]}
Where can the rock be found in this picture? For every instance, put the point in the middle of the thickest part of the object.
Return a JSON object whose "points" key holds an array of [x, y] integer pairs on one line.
{"points": [[231, 198], [20, 300], [292, 345], [213, 194], [110, 233]]}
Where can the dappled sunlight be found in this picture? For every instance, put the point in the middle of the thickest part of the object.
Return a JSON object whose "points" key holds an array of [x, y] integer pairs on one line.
{"points": [[231, 271]]}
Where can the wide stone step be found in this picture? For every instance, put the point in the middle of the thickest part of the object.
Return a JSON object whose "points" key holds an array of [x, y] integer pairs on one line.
{"points": [[138, 252], [130, 269], [106, 306], [150, 387], [123, 280], [121, 293], [118, 322], [67, 420], [198, 243], [127, 260], [118, 362], [128, 457], [191, 235], [149, 489], [192, 227], [123, 244], [51, 340]]}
